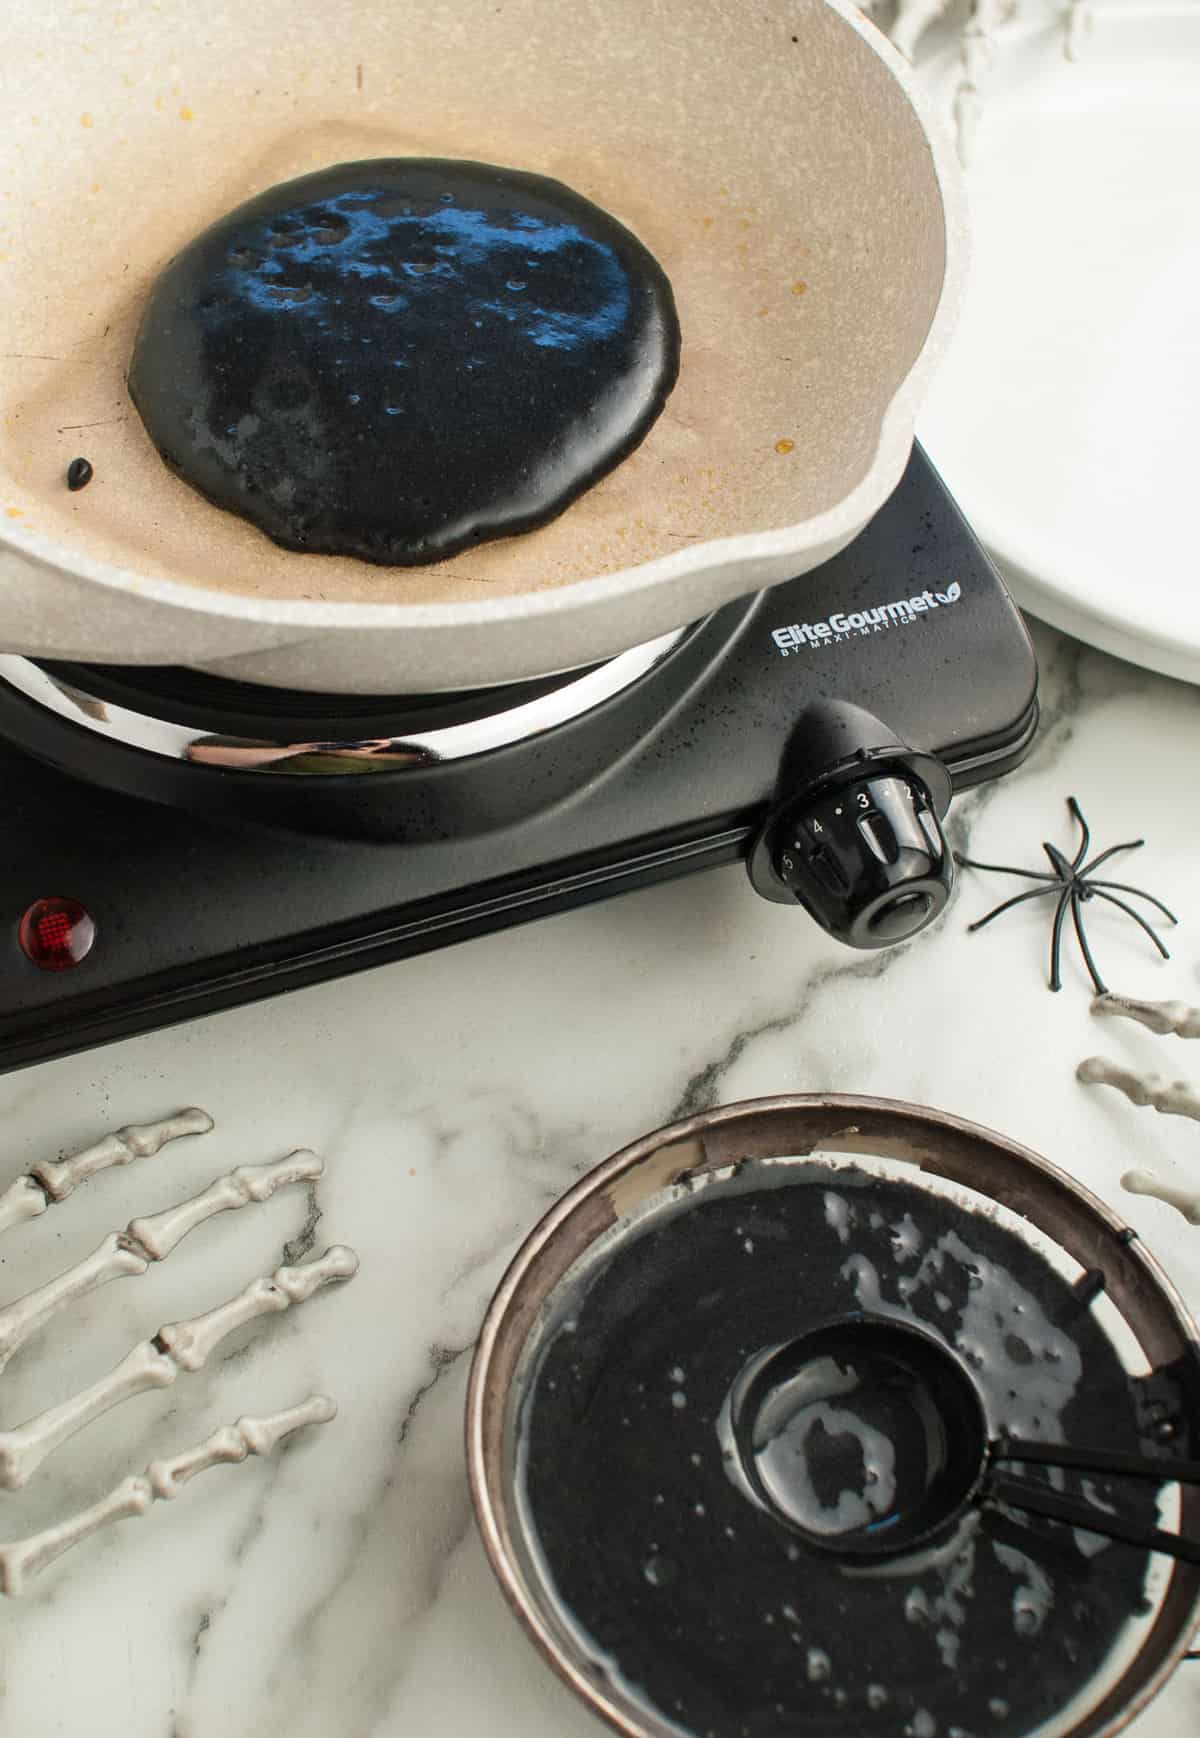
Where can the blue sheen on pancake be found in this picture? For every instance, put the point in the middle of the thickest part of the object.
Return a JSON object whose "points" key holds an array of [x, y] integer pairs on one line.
{"points": [[399, 358]]}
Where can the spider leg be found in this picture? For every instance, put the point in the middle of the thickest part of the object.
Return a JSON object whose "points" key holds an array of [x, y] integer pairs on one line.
{"points": [[1130, 845], [1137, 918], [1063, 870], [1085, 950], [1056, 939], [1124, 887], [1002, 869], [1017, 899], [1087, 837]]}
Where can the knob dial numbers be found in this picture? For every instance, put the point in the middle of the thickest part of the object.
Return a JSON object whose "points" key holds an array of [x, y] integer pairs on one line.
{"points": [[866, 857], [854, 835]]}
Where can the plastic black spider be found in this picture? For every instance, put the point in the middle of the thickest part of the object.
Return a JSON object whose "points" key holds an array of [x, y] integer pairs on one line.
{"points": [[1074, 884]]}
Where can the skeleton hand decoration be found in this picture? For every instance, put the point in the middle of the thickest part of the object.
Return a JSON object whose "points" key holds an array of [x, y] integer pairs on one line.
{"points": [[1170, 1097], [21, 1561], [145, 1240], [1160, 1017], [913, 18], [1078, 23], [156, 1362], [980, 28], [54, 1181], [1146, 1183]]}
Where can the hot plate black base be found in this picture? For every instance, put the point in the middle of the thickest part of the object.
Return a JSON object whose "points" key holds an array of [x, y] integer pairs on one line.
{"points": [[193, 914]]}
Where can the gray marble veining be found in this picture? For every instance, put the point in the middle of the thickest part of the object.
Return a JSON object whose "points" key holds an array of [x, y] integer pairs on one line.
{"points": [[340, 1588]]}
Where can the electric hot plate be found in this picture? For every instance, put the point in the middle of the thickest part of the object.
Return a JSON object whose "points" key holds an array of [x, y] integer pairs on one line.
{"points": [[175, 844]]}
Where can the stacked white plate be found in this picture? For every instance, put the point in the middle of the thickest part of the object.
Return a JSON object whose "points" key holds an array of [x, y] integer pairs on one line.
{"points": [[1065, 417]]}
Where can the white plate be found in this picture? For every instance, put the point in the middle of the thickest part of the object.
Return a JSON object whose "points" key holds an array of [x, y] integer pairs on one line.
{"points": [[1065, 416]]}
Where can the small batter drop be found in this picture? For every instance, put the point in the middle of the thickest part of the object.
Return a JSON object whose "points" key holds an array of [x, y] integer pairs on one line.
{"points": [[398, 358]]}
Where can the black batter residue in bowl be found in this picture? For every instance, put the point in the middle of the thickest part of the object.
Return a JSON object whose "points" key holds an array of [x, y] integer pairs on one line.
{"points": [[706, 1609], [396, 359]]}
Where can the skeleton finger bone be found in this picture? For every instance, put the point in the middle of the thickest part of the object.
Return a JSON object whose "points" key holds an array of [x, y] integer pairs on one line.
{"points": [[1172, 1097], [155, 1363], [976, 56], [1185, 1201], [145, 1240], [913, 18], [23, 1559], [1160, 1017], [1078, 23], [53, 1180]]}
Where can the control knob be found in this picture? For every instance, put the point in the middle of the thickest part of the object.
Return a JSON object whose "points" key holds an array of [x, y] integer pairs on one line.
{"points": [[855, 834]]}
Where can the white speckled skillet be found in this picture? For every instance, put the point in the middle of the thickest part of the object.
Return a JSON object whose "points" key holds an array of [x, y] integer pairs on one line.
{"points": [[775, 158]]}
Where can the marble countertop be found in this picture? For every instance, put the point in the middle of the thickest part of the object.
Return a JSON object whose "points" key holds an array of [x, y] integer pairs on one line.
{"points": [[341, 1588]]}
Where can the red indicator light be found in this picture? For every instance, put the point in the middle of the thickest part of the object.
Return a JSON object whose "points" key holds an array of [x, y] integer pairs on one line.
{"points": [[56, 934]]}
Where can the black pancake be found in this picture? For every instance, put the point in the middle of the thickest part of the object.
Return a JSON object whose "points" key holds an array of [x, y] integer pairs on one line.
{"points": [[702, 1605], [396, 359]]}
